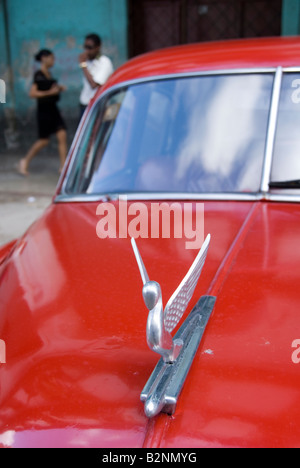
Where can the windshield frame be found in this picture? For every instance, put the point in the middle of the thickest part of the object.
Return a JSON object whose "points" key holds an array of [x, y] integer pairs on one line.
{"points": [[263, 193]]}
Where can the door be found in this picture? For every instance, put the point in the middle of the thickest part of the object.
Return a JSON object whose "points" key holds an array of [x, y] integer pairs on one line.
{"points": [[154, 24]]}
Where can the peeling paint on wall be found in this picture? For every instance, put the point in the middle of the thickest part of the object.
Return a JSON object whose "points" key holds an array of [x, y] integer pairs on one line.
{"points": [[60, 26]]}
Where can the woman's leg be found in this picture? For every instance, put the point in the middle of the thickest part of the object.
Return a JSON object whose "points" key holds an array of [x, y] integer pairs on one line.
{"points": [[33, 151], [62, 147]]}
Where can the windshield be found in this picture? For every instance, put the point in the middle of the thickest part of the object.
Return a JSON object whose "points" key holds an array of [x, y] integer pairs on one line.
{"points": [[192, 135]]}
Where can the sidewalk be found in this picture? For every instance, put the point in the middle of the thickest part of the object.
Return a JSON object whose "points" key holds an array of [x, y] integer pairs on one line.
{"points": [[23, 199]]}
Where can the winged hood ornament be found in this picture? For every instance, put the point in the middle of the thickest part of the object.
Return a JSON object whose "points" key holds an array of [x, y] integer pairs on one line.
{"points": [[161, 322]]}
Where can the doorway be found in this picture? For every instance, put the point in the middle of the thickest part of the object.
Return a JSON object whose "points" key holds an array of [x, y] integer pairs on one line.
{"points": [[154, 24]]}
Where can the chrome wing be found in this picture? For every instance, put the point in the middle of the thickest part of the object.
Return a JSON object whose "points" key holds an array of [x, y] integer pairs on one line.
{"points": [[180, 299]]}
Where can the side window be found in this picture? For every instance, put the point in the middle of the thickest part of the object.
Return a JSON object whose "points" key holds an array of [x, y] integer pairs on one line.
{"points": [[95, 139], [286, 160]]}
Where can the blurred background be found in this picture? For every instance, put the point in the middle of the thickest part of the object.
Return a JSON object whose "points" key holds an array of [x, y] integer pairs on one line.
{"points": [[127, 28]]}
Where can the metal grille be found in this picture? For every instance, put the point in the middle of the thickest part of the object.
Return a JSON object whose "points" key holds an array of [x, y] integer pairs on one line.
{"points": [[261, 17], [212, 21], [161, 24], [154, 24]]}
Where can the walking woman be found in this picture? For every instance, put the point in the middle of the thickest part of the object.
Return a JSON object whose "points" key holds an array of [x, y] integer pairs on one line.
{"points": [[46, 91]]}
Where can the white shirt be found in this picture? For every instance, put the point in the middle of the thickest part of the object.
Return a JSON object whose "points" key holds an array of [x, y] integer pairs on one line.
{"points": [[100, 68]]}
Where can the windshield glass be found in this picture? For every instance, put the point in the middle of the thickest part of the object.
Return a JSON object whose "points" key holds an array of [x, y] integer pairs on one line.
{"points": [[192, 134]]}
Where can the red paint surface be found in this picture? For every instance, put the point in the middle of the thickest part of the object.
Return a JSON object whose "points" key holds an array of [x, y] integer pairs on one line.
{"points": [[73, 320], [226, 55]]}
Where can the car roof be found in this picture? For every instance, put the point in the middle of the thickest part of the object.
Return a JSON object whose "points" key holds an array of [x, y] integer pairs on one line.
{"points": [[220, 55]]}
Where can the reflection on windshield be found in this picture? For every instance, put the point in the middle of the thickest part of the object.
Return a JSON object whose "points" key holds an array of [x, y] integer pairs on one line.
{"points": [[194, 135]]}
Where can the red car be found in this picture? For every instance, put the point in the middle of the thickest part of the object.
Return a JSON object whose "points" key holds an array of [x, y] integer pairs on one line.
{"points": [[206, 126]]}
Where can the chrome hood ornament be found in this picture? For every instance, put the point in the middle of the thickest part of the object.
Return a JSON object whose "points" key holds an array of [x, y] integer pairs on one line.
{"points": [[177, 353]]}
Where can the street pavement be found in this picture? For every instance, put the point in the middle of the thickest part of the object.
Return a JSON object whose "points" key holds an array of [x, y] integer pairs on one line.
{"points": [[23, 199]]}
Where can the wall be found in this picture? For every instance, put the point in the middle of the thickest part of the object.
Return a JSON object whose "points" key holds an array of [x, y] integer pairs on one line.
{"points": [[291, 18], [59, 25]]}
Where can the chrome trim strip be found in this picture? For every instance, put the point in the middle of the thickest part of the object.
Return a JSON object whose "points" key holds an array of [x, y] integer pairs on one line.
{"points": [[179, 197], [284, 198], [194, 196], [158, 196], [163, 388], [291, 70], [271, 133]]}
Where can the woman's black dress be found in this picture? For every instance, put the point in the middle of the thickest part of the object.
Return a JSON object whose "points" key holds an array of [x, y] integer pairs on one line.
{"points": [[48, 115]]}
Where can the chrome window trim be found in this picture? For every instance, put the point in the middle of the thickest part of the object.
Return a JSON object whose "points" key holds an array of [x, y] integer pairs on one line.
{"points": [[264, 194], [271, 131], [239, 197], [144, 196], [284, 198], [291, 69]]}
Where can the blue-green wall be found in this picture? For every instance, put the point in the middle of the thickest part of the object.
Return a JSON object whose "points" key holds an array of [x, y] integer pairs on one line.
{"points": [[3, 56], [59, 25], [291, 17]]}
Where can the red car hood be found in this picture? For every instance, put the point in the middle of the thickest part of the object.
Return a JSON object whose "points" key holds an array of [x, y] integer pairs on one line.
{"points": [[73, 321]]}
